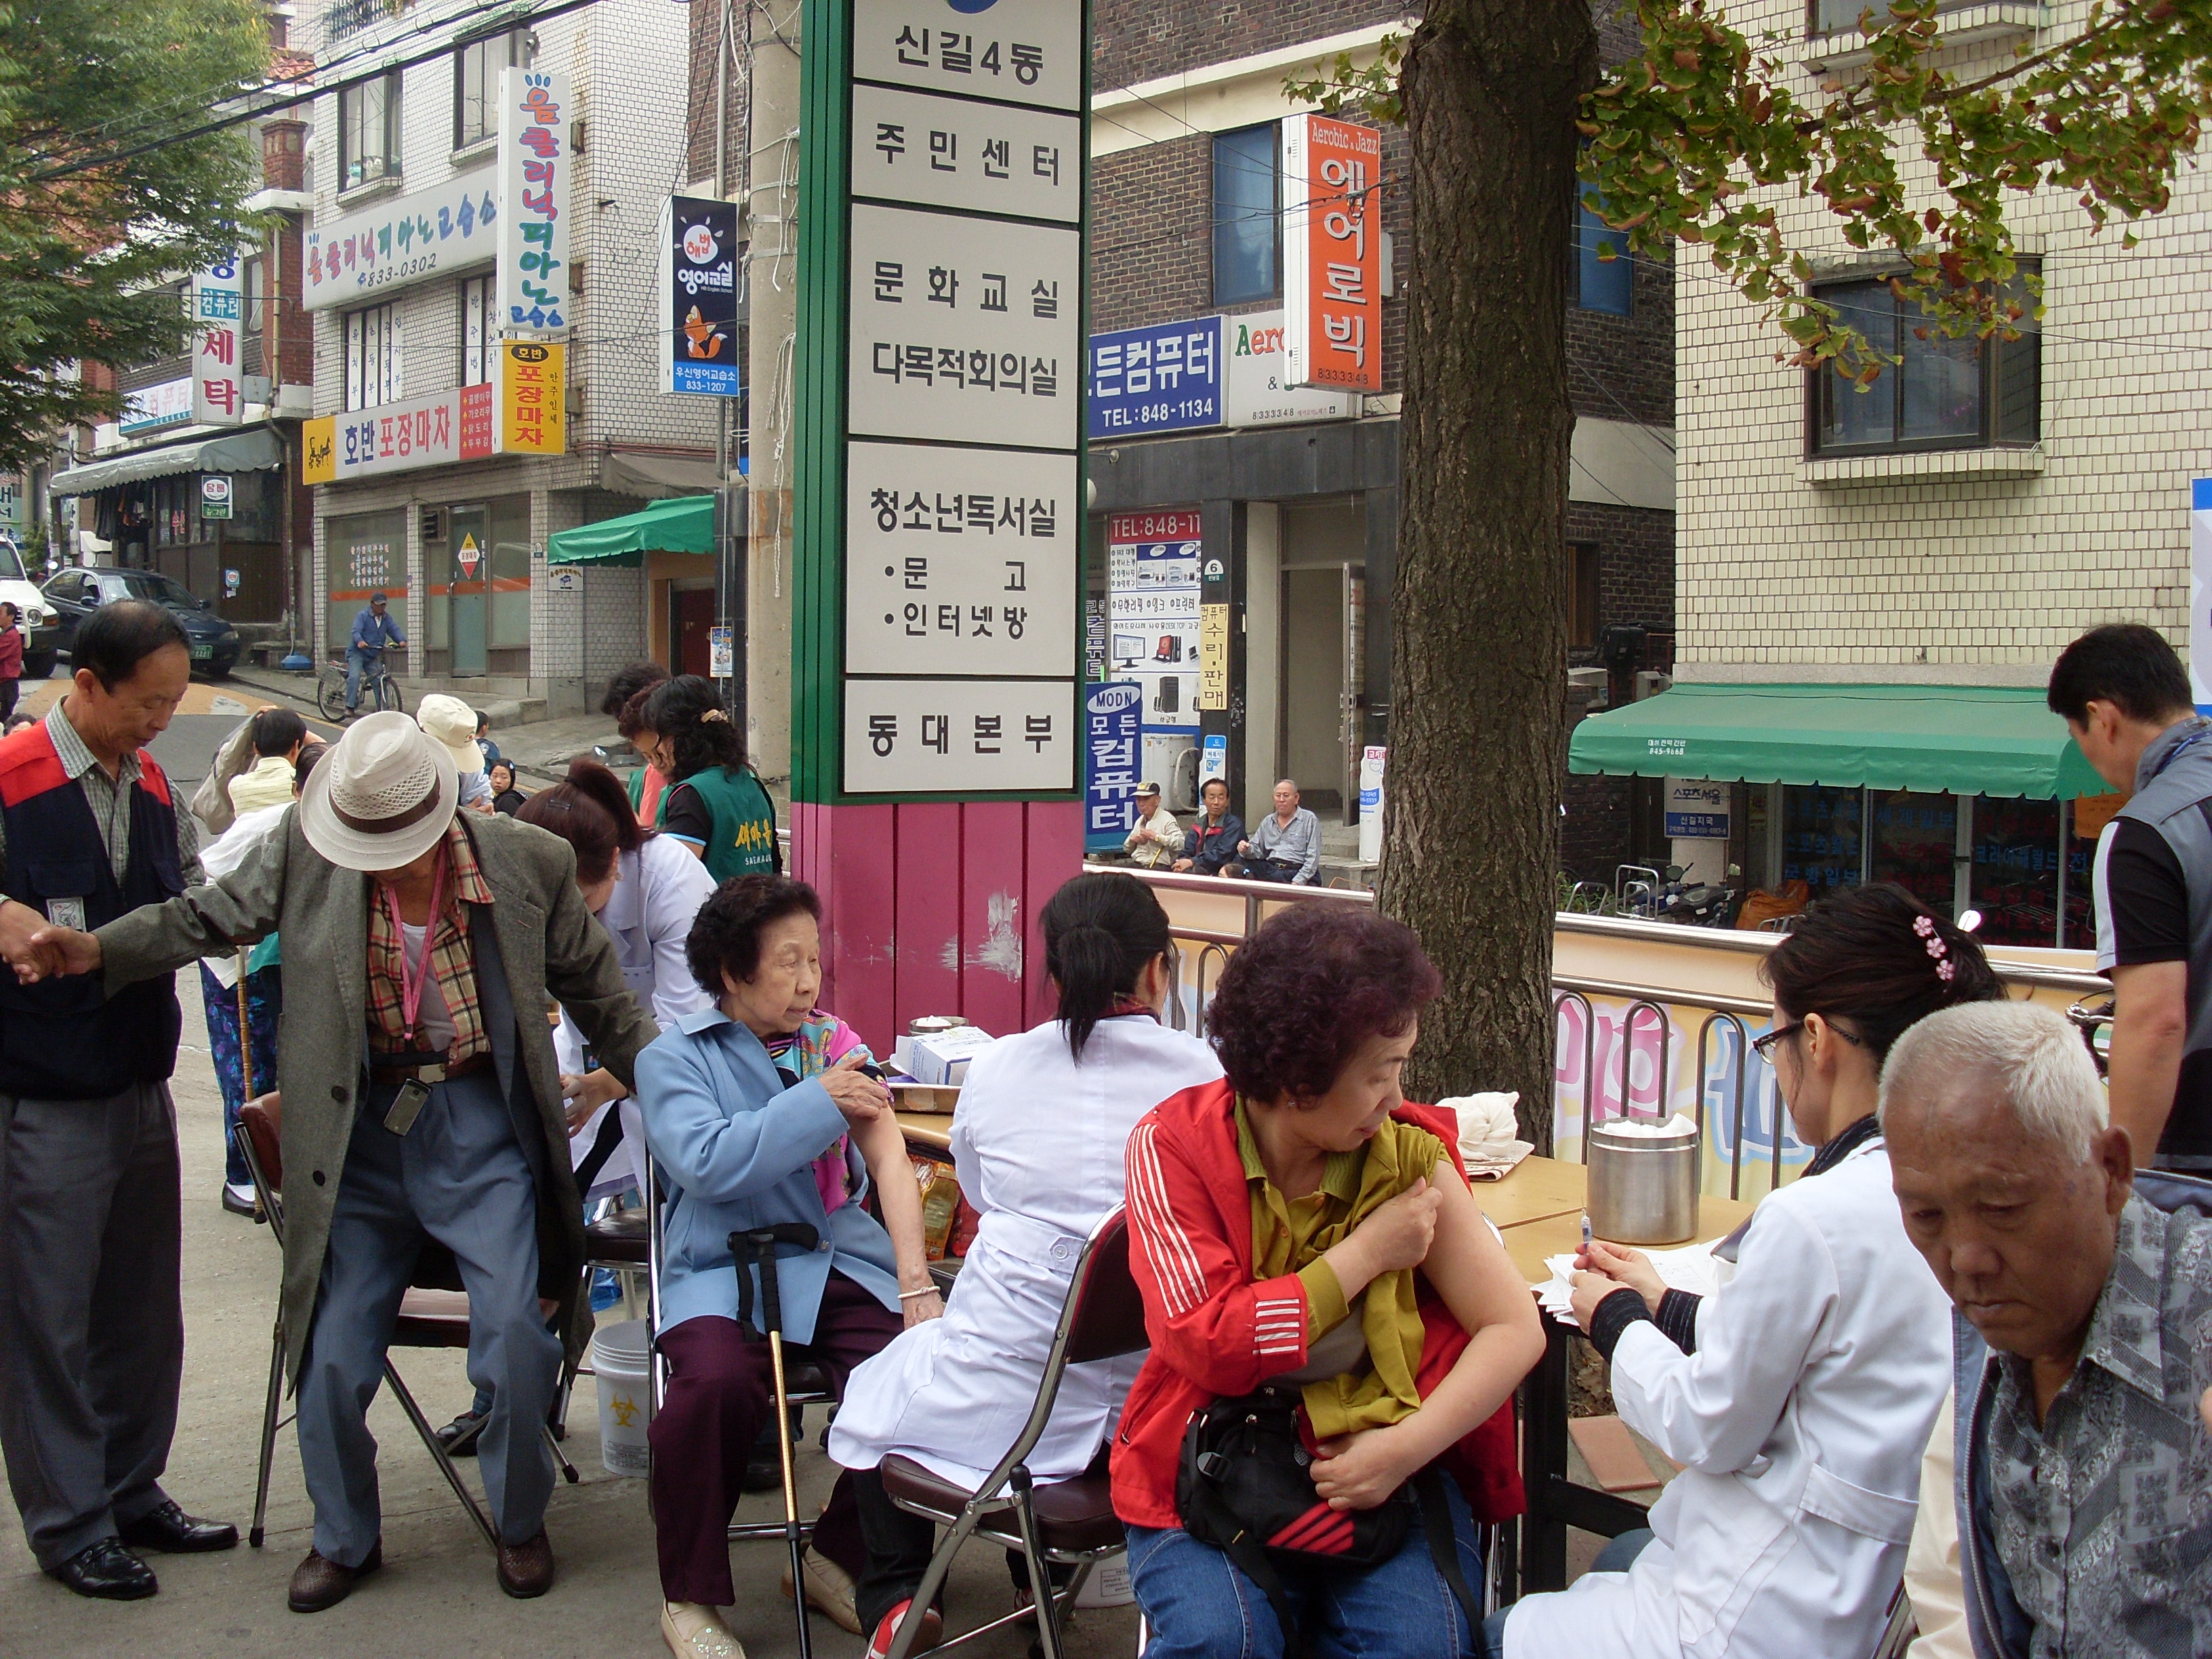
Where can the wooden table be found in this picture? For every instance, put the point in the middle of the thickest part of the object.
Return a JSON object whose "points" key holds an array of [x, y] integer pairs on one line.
{"points": [[931, 1131], [1533, 1232]]}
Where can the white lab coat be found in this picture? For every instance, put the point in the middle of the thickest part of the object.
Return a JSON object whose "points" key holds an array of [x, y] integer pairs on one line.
{"points": [[649, 915], [1038, 1144], [1800, 1419]]}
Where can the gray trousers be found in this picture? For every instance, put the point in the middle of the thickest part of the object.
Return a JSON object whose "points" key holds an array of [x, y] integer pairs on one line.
{"points": [[457, 1175], [92, 1318]]}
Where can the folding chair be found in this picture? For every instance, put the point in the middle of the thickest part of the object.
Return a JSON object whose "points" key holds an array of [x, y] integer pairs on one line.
{"points": [[428, 1319], [1068, 1522], [805, 1383]]}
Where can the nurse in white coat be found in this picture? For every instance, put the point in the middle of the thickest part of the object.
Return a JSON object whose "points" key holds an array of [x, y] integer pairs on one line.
{"points": [[1038, 1144], [1800, 1398]]}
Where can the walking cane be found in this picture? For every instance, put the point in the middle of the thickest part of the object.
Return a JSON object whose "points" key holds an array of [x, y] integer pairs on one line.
{"points": [[746, 1248], [245, 1035]]}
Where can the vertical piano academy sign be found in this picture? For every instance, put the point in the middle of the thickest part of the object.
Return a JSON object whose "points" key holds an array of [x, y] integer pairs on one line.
{"points": [[949, 548], [1332, 254], [536, 107]]}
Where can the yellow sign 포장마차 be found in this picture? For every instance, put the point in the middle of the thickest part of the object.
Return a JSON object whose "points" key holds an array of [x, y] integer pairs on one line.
{"points": [[532, 384]]}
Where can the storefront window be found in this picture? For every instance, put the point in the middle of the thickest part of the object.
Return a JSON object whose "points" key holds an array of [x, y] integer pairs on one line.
{"points": [[510, 573], [1915, 840], [2015, 870], [1821, 837], [1756, 824], [367, 551]]}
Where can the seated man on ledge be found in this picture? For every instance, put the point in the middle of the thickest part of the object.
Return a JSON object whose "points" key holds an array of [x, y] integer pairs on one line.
{"points": [[2084, 1473], [1285, 847]]}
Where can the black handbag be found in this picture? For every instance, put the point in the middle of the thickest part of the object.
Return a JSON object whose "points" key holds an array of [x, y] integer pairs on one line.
{"points": [[1244, 1485]]}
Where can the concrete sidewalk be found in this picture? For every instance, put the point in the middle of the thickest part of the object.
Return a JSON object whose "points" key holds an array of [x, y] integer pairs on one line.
{"points": [[436, 1594]]}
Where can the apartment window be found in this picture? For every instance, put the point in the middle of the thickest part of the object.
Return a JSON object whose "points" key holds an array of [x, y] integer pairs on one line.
{"points": [[477, 66], [1841, 16], [368, 132], [479, 330], [1581, 595], [1943, 394], [1248, 223], [372, 356], [1602, 283]]}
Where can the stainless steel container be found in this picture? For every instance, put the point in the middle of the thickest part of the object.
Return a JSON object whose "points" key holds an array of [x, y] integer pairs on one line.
{"points": [[1643, 1187], [930, 1025]]}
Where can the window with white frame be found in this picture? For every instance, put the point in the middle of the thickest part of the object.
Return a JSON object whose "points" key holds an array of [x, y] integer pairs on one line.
{"points": [[368, 132], [480, 329], [372, 356], [477, 65]]}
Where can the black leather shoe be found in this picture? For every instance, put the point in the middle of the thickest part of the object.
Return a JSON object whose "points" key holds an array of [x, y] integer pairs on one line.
{"points": [[320, 1583], [109, 1572], [169, 1528], [460, 1435]]}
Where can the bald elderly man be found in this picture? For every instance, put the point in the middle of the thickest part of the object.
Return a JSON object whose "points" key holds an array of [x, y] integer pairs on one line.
{"points": [[2083, 1326]]}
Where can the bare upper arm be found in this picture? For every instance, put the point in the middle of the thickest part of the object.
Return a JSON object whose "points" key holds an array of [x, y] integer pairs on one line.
{"points": [[1470, 1268]]}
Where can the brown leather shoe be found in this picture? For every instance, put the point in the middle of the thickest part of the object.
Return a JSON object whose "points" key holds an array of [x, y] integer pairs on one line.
{"points": [[527, 1569], [318, 1583]]}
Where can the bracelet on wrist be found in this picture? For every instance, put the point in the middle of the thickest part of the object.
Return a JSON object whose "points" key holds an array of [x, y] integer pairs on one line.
{"points": [[910, 1295]]}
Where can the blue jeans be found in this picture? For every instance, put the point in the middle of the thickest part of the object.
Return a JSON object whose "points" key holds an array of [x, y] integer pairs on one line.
{"points": [[358, 663], [264, 996], [1201, 1606], [1617, 1557]]}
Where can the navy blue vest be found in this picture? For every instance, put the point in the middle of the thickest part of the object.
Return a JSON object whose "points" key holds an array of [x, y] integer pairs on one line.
{"points": [[64, 1039]]}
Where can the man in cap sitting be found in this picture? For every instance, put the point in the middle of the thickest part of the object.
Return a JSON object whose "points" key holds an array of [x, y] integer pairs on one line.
{"points": [[422, 1104]]}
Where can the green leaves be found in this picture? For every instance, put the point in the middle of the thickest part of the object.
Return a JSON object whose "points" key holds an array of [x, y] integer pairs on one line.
{"points": [[106, 90]]}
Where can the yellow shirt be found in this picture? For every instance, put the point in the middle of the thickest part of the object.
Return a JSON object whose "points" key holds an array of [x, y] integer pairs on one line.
{"points": [[1291, 1235]]}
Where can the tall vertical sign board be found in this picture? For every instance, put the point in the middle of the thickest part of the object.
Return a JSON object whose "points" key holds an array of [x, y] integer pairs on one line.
{"points": [[218, 319], [937, 634], [699, 283], [1332, 254], [536, 110], [2200, 593]]}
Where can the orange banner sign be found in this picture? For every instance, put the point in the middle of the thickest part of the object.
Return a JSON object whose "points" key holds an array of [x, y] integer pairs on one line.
{"points": [[1332, 254]]}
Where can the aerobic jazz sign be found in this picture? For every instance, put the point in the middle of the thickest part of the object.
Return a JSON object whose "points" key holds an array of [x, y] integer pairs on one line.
{"points": [[959, 548]]}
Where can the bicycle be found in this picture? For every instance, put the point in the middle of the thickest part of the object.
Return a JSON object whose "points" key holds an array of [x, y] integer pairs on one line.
{"points": [[330, 690]]}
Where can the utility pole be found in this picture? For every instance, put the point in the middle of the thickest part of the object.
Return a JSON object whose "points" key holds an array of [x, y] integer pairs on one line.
{"points": [[773, 289]]}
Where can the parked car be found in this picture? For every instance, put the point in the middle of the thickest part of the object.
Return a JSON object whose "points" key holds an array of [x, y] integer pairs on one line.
{"points": [[74, 594], [34, 617]]}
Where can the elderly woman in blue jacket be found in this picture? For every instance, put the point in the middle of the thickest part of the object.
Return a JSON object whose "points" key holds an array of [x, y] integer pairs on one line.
{"points": [[758, 1111]]}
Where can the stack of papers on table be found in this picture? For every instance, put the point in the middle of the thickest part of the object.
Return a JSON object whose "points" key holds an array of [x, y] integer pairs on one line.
{"points": [[1690, 1268]]}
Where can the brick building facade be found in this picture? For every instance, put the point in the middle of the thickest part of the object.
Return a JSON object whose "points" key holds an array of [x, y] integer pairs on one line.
{"points": [[1301, 515]]}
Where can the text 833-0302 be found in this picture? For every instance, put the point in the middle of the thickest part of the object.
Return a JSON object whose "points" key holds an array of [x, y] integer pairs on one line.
{"points": [[1182, 411]]}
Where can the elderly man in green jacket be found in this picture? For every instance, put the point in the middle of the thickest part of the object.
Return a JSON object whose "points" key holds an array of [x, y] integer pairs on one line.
{"points": [[422, 1102]]}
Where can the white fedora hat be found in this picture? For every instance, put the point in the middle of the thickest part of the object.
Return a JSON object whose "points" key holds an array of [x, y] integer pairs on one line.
{"points": [[451, 725], [381, 798]]}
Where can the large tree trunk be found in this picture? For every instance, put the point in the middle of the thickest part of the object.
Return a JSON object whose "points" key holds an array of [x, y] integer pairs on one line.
{"points": [[1478, 652]]}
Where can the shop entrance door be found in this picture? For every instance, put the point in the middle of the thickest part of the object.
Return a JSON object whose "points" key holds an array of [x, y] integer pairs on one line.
{"points": [[470, 540], [691, 614]]}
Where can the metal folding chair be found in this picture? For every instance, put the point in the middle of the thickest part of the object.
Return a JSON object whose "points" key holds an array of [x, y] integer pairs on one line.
{"points": [[805, 1383], [428, 1319], [1069, 1523]]}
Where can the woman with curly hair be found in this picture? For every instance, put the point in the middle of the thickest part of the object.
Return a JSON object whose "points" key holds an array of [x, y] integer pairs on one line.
{"points": [[762, 1110], [715, 803], [1305, 1238], [1797, 1399]]}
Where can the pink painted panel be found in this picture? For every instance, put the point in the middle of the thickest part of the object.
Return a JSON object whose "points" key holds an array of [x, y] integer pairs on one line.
{"points": [[927, 910], [853, 867], [994, 909], [1052, 854]]}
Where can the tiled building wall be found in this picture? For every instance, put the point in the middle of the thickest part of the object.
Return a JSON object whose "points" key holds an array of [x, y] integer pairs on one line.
{"points": [[1925, 568], [1135, 40]]}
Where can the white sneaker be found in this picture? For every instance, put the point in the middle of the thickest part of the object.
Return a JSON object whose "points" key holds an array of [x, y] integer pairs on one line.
{"points": [[695, 1630], [829, 1590]]}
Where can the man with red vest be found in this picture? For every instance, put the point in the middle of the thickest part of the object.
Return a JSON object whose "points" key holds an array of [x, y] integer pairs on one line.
{"points": [[91, 1306]]}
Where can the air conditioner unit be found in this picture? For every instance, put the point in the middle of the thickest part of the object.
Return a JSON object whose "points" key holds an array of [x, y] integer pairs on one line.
{"points": [[433, 524]]}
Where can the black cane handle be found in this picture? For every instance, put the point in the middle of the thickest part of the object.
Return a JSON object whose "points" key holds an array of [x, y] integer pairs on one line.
{"points": [[758, 1245]]}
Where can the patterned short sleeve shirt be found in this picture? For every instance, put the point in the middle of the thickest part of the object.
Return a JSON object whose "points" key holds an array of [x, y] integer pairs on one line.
{"points": [[2104, 1510]]}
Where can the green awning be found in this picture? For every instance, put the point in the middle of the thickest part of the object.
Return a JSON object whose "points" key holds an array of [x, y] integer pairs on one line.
{"points": [[685, 524], [1941, 739]]}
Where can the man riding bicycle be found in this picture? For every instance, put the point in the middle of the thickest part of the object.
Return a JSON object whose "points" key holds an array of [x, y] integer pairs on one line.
{"points": [[372, 630]]}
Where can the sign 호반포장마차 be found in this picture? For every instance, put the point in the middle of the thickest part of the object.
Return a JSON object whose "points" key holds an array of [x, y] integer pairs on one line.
{"points": [[532, 407], [1164, 378], [535, 108], [1332, 254], [700, 278]]}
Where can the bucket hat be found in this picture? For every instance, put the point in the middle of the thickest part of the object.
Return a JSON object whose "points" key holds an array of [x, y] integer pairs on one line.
{"points": [[381, 798]]}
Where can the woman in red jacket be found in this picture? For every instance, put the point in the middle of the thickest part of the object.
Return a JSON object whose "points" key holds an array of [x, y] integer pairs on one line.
{"points": [[1300, 1225]]}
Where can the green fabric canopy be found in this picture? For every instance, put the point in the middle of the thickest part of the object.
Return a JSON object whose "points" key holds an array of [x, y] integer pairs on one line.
{"points": [[1941, 739], [685, 524]]}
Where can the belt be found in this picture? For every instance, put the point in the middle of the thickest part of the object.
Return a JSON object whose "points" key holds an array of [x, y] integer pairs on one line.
{"points": [[436, 1072]]}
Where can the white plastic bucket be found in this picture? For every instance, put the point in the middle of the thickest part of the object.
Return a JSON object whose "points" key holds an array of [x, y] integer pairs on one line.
{"points": [[621, 1366], [1108, 1586]]}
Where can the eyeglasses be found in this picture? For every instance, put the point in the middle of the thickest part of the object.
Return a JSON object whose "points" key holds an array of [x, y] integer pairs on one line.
{"points": [[1764, 1046]]}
